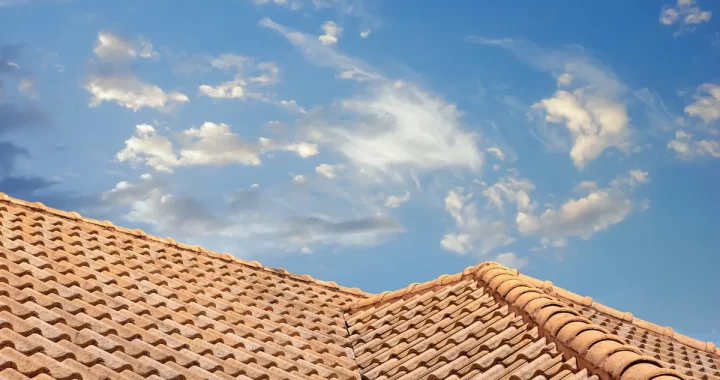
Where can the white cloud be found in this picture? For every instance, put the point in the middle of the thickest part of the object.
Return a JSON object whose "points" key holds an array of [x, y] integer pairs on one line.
{"points": [[225, 90], [303, 149], [496, 152], [586, 186], [395, 201], [249, 77], [299, 179], [332, 31], [325, 170], [27, 87], [290, 4], [292, 106], [130, 92], [146, 146], [365, 34], [400, 129], [583, 217], [396, 130], [111, 46], [252, 220], [513, 190], [686, 148], [211, 144], [593, 112], [323, 55], [511, 260], [564, 79], [595, 122], [686, 14], [707, 103], [116, 82], [473, 235]]}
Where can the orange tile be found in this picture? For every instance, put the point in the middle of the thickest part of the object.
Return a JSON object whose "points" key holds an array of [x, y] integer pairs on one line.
{"points": [[86, 299]]}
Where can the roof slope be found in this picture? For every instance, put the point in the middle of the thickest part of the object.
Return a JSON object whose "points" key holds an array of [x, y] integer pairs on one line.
{"points": [[458, 331], [80, 300], [687, 355], [443, 329], [83, 299]]}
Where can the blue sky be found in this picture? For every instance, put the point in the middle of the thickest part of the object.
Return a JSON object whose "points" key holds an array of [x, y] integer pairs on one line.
{"points": [[380, 143]]}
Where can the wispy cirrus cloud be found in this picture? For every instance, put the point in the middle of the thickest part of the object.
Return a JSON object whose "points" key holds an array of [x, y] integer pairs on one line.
{"points": [[397, 130]]}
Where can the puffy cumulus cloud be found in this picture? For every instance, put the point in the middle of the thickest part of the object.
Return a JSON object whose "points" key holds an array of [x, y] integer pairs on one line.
{"points": [[262, 220], [225, 90], [128, 91], [299, 179], [513, 190], [596, 123], [395, 201], [564, 79], [511, 260], [115, 80], [110, 46], [473, 234], [211, 144], [686, 14], [332, 33], [147, 146], [249, 78], [583, 217], [593, 111], [325, 170], [707, 103], [365, 34], [686, 148], [398, 130]]}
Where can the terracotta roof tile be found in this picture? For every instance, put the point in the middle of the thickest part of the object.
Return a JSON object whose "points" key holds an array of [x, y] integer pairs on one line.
{"points": [[83, 299]]}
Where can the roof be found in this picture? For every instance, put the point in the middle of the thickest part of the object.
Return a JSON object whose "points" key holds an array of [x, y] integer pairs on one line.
{"points": [[84, 299]]}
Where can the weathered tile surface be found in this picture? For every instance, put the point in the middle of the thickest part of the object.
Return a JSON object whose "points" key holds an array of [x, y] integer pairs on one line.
{"points": [[84, 299]]}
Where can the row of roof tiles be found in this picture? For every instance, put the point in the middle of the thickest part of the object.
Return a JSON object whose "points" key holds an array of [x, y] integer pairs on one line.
{"points": [[40, 287]]}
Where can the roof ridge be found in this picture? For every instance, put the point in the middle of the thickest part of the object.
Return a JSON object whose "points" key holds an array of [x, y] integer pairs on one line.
{"points": [[548, 288], [611, 356], [139, 233], [414, 288]]}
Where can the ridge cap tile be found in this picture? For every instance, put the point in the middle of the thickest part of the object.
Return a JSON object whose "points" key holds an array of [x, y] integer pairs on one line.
{"points": [[602, 352], [138, 233]]}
